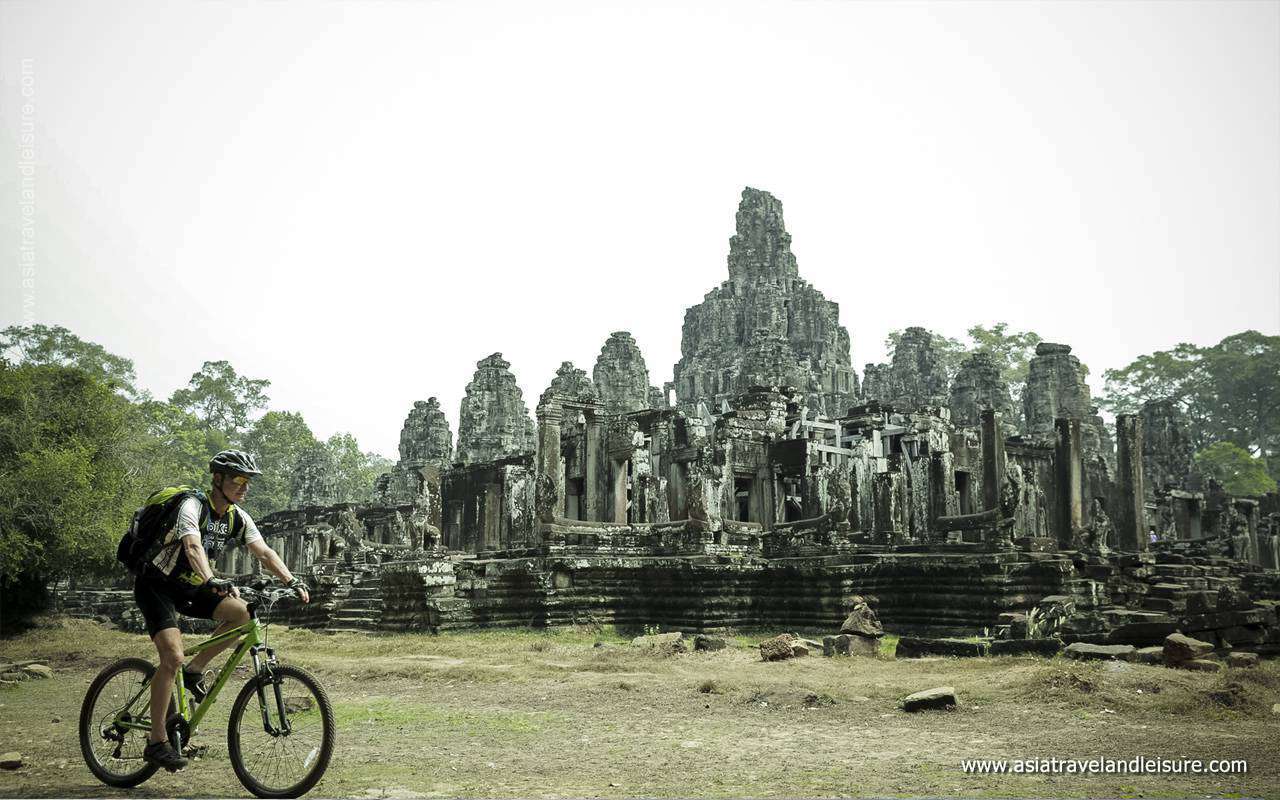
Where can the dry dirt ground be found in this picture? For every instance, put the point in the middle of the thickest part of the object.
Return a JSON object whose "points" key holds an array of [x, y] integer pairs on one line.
{"points": [[549, 714]]}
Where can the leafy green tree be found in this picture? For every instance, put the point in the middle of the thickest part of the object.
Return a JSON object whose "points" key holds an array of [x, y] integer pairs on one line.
{"points": [[1230, 391], [179, 445], [1239, 473], [43, 345], [356, 471], [221, 399], [1012, 350], [277, 440], [66, 485]]}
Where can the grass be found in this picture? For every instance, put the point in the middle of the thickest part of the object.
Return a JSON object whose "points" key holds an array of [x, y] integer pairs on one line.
{"points": [[549, 714]]}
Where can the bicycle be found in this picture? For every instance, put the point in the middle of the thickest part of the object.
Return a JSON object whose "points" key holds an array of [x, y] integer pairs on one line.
{"points": [[282, 751]]}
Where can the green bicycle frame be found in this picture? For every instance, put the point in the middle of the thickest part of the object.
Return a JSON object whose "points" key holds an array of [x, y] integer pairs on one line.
{"points": [[254, 641]]}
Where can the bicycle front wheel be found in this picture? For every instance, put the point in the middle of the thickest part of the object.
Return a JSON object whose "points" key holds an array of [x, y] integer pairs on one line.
{"points": [[120, 694], [271, 758]]}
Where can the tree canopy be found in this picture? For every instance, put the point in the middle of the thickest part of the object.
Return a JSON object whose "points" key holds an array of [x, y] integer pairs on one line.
{"points": [[221, 399]]}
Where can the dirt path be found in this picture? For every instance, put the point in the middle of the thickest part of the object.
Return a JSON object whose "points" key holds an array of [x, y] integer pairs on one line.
{"points": [[507, 713]]}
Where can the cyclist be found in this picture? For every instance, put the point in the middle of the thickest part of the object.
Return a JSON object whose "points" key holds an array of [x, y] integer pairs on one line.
{"points": [[177, 578]]}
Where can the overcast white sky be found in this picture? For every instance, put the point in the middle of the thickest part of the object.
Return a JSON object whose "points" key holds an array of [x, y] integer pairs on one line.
{"points": [[359, 201]]}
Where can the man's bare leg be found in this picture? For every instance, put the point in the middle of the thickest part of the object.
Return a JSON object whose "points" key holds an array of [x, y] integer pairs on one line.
{"points": [[168, 644], [230, 613]]}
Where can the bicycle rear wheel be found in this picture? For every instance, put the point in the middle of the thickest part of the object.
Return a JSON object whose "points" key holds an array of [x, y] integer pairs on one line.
{"points": [[273, 763], [113, 753]]}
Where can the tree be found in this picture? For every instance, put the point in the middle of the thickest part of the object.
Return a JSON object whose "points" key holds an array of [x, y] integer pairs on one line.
{"points": [[1012, 351], [1230, 391], [223, 400], [356, 471], [179, 445], [1239, 473], [277, 440], [42, 345], [66, 491]]}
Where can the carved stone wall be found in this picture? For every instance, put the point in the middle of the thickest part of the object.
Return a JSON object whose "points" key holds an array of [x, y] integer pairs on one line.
{"points": [[493, 421], [764, 293], [978, 385], [1166, 445], [425, 437], [620, 375], [313, 481]]}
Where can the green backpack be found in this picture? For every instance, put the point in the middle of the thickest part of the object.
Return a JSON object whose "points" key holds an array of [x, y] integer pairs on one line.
{"points": [[150, 523]]}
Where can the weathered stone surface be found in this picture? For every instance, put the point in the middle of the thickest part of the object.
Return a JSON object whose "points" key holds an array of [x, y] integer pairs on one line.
{"points": [[1242, 660], [1166, 445], [709, 643], [919, 647], [978, 384], [1179, 648], [939, 697], [917, 376], [778, 648], [425, 437], [1149, 655], [620, 375], [862, 620], [11, 760], [765, 322], [1026, 647], [1201, 665], [573, 383], [38, 671], [657, 640], [1056, 387], [314, 479], [493, 421], [1099, 652]]}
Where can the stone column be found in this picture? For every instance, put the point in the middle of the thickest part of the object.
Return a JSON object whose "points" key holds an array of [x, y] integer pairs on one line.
{"points": [[992, 460], [1130, 516], [619, 491], [550, 475], [1069, 466], [592, 472]]}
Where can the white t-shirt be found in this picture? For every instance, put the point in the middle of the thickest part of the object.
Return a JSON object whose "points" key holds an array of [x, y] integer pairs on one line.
{"points": [[188, 524]]}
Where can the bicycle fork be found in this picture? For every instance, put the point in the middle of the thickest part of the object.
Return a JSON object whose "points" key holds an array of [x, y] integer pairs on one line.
{"points": [[264, 669]]}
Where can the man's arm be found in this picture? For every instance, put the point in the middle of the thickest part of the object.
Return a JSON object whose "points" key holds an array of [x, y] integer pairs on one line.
{"points": [[274, 564], [199, 561]]}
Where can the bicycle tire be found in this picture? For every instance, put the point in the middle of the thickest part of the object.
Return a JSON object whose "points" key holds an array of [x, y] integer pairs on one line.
{"points": [[89, 727], [316, 760]]}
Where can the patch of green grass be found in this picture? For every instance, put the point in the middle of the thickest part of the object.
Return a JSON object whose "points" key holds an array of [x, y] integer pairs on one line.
{"points": [[385, 711]]}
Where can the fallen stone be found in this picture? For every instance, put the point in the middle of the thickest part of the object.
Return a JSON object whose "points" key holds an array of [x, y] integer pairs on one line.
{"points": [[777, 648], [1275, 709], [709, 643], [1180, 647], [1242, 660], [799, 649], [1201, 665], [655, 641], [937, 697], [918, 647], [294, 705], [1149, 655], [38, 671], [1026, 647], [14, 675], [1099, 652], [11, 760], [1142, 633], [862, 620]]}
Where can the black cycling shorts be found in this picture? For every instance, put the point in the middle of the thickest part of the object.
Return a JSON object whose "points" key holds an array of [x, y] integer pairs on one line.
{"points": [[161, 599]]}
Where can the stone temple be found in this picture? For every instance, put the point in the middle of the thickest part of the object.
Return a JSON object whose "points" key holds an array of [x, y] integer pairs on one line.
{"points": [[764, 485]]}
